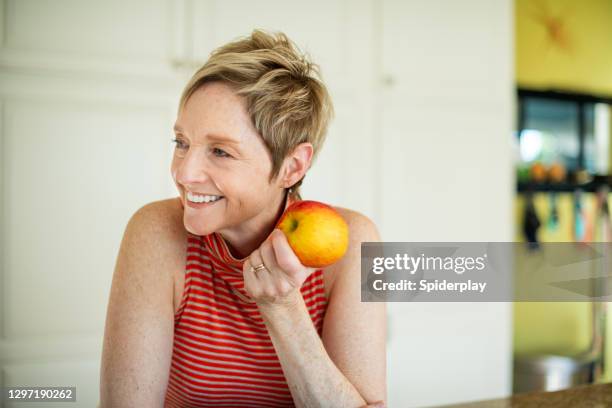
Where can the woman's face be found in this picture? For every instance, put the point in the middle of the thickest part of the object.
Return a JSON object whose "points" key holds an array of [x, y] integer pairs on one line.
{"points": [[219, 153]]}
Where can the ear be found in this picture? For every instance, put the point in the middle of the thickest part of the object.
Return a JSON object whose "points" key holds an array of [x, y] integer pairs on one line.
{"points": [[296, 164]]}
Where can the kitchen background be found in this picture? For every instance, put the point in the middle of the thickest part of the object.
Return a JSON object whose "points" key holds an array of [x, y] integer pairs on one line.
{"points": [[563, 60], [426, 142]]}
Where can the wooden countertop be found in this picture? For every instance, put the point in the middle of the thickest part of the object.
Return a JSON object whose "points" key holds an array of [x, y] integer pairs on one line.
{"points": [[587, 396]]}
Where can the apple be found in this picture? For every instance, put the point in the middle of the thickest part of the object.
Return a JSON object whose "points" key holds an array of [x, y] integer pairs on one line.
{"points": [[316, 232]]}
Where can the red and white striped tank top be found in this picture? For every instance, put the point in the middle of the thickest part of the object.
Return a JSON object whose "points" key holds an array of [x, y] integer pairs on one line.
{"points": [[222, 353]]}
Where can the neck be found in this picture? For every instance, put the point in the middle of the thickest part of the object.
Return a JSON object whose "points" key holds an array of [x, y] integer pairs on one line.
{"points": [[244, 239]]}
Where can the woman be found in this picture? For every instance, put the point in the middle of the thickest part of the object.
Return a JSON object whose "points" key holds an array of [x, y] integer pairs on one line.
{"points": [[209, 306]]}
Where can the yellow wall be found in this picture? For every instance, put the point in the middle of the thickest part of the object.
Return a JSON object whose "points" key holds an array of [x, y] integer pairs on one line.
{"points": [[563, 327], [577, 58]]}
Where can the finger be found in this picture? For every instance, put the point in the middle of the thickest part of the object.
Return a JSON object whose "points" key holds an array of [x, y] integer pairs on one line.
{"points": [[286, 259], [256, 260], [246, 266], [268, 258], [277, 281], [250, 279], [283, 281]]}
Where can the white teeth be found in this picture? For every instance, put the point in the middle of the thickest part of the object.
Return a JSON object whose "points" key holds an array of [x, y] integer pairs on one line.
{"points": [[197, 198]]}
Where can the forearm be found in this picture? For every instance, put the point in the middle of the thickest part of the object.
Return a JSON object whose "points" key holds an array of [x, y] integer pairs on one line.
{"points": [[313, 378]]}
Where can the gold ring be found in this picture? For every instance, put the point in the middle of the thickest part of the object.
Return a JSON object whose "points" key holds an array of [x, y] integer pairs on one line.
{"points": [[258, 268]]}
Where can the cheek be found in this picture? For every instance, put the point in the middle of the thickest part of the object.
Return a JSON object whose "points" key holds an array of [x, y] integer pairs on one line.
{"points": [[173, 170], [244, 184], [243, 190], [174, 167]]}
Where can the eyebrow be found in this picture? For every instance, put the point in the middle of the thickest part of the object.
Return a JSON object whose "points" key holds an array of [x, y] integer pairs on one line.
{"points": [[214, 137]]}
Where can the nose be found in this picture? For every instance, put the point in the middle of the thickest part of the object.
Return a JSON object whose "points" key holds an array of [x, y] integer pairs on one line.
{"points": [[193, 169]]}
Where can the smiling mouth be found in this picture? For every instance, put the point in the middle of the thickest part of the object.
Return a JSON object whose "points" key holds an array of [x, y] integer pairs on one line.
{"points": [[201, 198], [202, 204]]}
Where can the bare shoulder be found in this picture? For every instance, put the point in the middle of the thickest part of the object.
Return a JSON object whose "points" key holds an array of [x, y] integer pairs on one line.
{"points": [[156, 232], [160, 214], [139, 319], [361, 229], [155, 239], [162, 218]]}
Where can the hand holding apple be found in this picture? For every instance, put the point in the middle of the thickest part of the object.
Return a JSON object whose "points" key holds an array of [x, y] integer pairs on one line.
{"points": [[273, 274], [309, 235], [316, 232]]}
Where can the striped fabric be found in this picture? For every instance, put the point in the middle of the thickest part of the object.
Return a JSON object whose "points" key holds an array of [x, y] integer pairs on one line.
{"points": [[222, 353]]}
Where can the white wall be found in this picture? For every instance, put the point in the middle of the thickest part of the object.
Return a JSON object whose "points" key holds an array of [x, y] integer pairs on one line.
{"points": [[446, 175], [88, 94]]}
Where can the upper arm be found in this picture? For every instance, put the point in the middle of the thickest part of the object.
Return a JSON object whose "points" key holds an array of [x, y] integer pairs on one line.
{"points": [[354, 333], [139, 324]]}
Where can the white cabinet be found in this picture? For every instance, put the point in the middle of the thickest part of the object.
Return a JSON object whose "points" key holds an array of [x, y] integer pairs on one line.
{"points": [[446, 120], [88, 96]]}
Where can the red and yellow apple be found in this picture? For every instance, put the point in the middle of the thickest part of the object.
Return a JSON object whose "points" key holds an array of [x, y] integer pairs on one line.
{"points": [[316, 232]]}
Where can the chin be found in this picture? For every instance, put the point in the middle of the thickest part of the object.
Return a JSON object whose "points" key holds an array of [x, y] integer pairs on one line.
{"points": [[197, 228]]}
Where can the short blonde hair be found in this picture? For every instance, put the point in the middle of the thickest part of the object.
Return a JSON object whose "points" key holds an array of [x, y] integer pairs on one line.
{"points": [[285, 95]]}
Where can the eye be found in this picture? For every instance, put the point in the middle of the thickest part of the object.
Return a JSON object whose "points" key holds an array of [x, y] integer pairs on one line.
{"points": [[220, 153], [179, 144]]}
